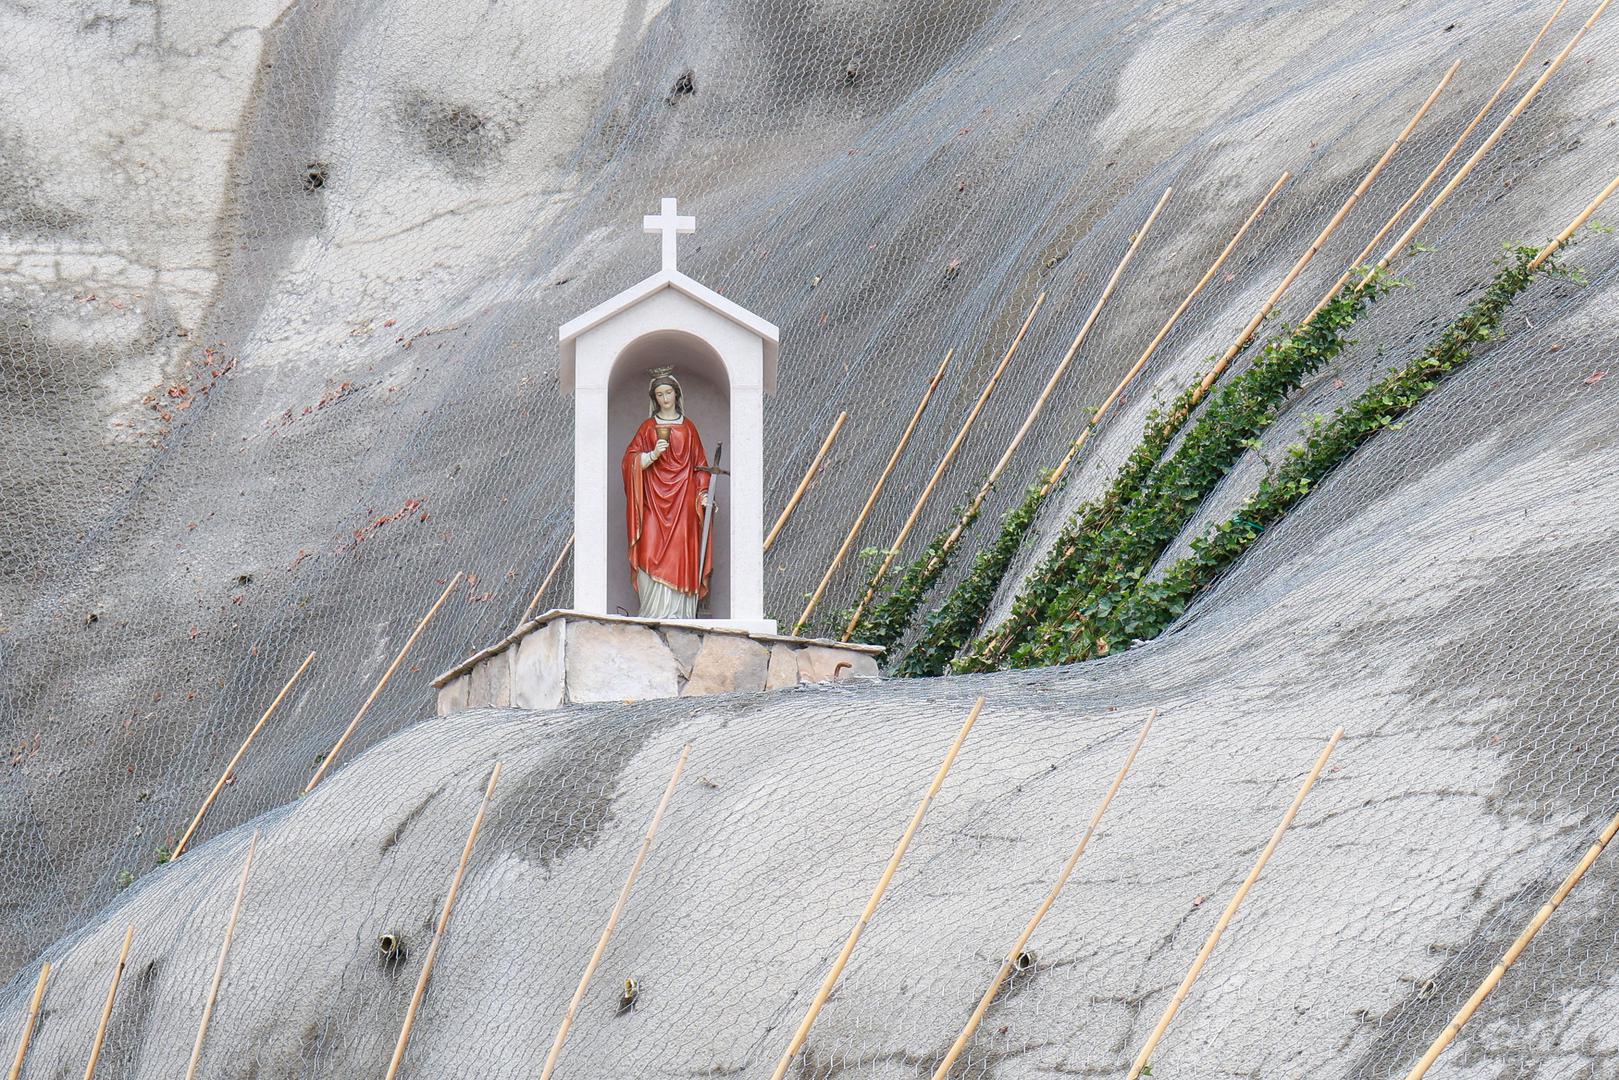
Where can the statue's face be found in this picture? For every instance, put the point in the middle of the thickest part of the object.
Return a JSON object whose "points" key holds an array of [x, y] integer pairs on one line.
{"points": [[666, 396]]}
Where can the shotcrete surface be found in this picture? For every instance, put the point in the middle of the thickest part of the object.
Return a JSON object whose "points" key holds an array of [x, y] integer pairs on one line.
{"points": [[279, 285]]}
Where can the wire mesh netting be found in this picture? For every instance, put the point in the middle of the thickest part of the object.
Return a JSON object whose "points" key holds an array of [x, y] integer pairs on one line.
{"points": [[279, 290]]}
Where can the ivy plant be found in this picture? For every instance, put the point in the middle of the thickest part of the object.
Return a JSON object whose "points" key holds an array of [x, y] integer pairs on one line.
{"points": [[1115, 543], [1152, 606], [964, 610], [886, 622]]}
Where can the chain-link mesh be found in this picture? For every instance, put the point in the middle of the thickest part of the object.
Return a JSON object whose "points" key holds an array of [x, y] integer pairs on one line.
{"points": [[278, 297]]}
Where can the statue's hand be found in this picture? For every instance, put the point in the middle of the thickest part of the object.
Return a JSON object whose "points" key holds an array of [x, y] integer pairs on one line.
{"points": [[702, 498], [663, 444]]}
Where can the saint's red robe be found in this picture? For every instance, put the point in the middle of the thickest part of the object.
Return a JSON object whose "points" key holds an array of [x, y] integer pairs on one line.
{"points": [[663, 506]]}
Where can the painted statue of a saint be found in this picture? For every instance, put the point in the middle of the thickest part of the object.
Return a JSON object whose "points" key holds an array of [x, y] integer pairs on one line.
{"points": [[665, 492]]}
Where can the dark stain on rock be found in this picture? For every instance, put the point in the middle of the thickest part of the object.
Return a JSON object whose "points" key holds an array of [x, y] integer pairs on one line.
{"points": [[408, 820], [685, 86], [566, 800], [454, 134], [1523, 688], [132, 1023], [1528, 1006], [27, 209]]}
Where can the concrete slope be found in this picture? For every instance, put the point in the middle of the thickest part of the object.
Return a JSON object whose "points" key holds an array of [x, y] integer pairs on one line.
{"points": [[278, 294], [1459, 798]]}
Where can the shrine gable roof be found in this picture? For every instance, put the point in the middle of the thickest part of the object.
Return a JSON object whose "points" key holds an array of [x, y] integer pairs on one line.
{"points": [[609, 309]]}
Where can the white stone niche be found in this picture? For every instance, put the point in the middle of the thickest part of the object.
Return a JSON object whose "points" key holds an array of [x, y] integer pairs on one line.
{"points": [[725, 358]]}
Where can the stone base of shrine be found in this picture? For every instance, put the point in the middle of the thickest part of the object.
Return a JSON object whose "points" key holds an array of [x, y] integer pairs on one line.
{"points": [[568, 657]]}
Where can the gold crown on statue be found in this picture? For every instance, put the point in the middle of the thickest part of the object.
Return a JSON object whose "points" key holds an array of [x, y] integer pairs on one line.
{"points": [[660, 372]]}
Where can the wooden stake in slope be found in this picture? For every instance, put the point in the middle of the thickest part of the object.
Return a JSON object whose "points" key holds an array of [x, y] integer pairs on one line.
{"points": [[219, 967], [550, 575], [944, 463], [28, 1024], [1484, 148], [443, 924], [1310, 253], [1158, 339], [1231, 909], [1568, 234], [1018, 946], [1510, 957], [1051, 383], [106, 1009], [612, 920], [230, 767], [1434, 173], [331, 755], [803, 485], [876, 490], [838, 965]]}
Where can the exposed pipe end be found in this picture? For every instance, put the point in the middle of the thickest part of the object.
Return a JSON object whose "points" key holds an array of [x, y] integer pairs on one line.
{"points": [[391, 947]]}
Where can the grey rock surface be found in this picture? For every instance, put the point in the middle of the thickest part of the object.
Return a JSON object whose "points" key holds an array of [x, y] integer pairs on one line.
{"points": [[685, 644], [1404, 876], [278, 293]]}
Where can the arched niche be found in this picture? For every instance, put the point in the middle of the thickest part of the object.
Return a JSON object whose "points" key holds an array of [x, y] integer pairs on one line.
{"points": [[706, 397], [669, 319]]}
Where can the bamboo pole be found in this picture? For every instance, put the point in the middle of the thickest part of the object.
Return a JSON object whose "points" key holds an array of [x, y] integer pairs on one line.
{"points": [[803, 485], [106, 1009], [1231, 909], [1485, 147], [230, 767], [797, 1043], [550, 576], [994, 476], [32, 1018], [1434, 173], [331, 755], [1567, 234], [1018, 946], [612, 920], [1073, 349], [877, 489], [1158, 339], [219, 967], [1332, 226], [1510, 957], [944, 463], [443, 923]]}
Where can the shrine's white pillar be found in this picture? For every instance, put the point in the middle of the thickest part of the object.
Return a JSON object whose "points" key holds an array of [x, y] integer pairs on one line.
{"points": [[591, 458], [747, 483]]}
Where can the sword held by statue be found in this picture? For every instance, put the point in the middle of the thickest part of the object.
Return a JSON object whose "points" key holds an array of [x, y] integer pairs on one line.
{"points": [[708, 509]]}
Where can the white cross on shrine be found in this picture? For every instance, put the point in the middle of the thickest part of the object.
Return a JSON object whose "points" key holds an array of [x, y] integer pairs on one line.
{"points": [[670, 224]]}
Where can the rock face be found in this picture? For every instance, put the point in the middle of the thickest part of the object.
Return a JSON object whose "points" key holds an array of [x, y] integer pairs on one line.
{"points": [[566, 658], [279, 286], [789, 808]]}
